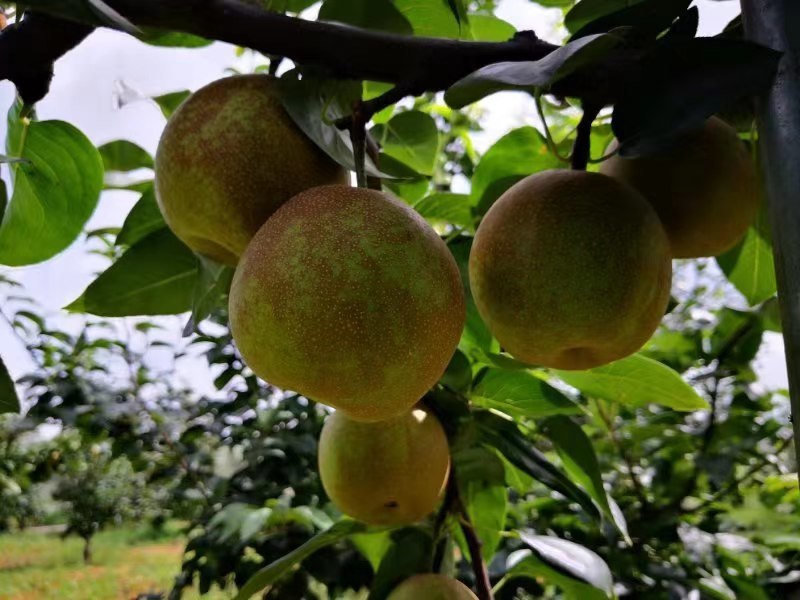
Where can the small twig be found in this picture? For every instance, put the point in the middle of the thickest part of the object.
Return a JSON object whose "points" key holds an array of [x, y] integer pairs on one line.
{"points": [[369, 108], [638, 488], [358, 135], [583, 141], [482, 583], [373, 151], [441, 518], [551, 143]]}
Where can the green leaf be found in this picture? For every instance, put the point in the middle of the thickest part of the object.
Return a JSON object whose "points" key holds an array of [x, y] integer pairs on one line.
{"points": [[514, 156], [122, 155], [521, 394], [681, 83], [476, 337], [508, 440], [369, 14], [412, 138], [598, 16], [373, 546], [488, 28], [169, 103], [143, 219], [410, 553], [481, 479], [314, 104], [586, 11], [9, 402], [750, 265], [210, 292], [54, 193], [446, 208], [277, 569], [433, 18], [530, 76], [579, 459], [173, 39], [155, 276], [458, 374], [581, 573], [636, 381]]}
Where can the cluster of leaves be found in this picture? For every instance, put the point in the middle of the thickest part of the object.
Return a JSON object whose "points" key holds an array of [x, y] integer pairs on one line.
{"points": [[653, 477]]}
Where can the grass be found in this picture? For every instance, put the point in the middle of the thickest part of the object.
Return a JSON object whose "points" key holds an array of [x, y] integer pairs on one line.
{"points": [[127, 562]]}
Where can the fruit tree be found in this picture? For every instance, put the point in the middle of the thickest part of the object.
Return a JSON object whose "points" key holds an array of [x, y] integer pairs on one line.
{"points": [[431, 352]]}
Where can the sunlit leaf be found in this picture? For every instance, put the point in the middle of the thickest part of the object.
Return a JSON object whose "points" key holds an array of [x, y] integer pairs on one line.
{"points": [[54, 192], [155, 276], [636, 381]]}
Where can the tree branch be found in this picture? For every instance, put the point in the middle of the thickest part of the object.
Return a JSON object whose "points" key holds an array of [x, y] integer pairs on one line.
{"points": [[416, 64], [583, 141], [29, 48]]}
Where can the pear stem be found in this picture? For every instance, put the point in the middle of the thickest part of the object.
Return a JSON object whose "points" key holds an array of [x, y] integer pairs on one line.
{"points": [[583, 141]]}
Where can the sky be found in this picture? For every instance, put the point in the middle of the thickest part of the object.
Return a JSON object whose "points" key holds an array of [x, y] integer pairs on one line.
{"points": [[85, 92]]}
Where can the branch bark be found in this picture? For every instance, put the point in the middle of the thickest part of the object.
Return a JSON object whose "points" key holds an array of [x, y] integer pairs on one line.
{"points": [[415, 63], [29, 48]]}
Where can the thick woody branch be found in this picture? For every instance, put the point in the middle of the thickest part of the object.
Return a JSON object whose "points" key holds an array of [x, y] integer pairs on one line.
{"points": [[28, 50], [416, 64]]}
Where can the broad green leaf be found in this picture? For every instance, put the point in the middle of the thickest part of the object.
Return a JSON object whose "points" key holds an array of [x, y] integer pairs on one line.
{"points": [[173, 39], [210, 292], [408, 190], [636, 381], [145, 218], [488, 28], [481, 479], [444, 208], [155, 276], [122, 155], [314, 104], [530, 76], [432, 18], [412, 138], [54, 193], [682, 82], [458, 374], [746, 588], [277, 569], [369, 14], [283, 6], [373, 546], [514, 156], [169, 103], [409, 554], [476, 337], [578, 571], [586, 11], [750, 265], [508, 440], [9, 402], [579, 459], [598, 16], [521, 394]]}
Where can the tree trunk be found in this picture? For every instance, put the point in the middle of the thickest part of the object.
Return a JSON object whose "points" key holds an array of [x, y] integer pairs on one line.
{"points": [[87, 550]]}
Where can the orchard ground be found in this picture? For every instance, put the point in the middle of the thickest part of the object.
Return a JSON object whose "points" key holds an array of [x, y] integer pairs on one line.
{"points": [[39, 564]]}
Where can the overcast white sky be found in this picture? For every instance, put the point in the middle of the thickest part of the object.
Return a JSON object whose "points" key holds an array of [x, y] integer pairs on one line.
{"points": [[83, 94]]}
